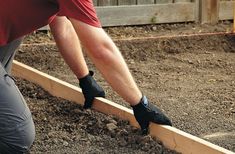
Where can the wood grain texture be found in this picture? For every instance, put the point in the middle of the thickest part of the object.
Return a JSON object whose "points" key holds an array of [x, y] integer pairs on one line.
{"points": [[139, 2], [226, 10], [127, 2], [163, 1], [146, 14], [181, 1], [234, 18], [209, 11], [107, 2]]}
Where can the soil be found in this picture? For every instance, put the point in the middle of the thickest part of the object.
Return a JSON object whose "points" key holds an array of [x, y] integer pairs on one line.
{"points": [[146, 31], [64, 127], [192, 79]]}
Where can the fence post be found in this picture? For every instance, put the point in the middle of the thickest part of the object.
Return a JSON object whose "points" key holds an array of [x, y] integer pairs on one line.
{"points": [[197, 10], [234, 19], [209, 11]]}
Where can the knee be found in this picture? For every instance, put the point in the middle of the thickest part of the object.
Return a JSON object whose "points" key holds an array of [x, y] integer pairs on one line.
{"points": [[29, 135], [104, 51], [26, 135], [20, 139]]}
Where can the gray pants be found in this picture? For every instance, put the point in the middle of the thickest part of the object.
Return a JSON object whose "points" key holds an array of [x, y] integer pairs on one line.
{"points": [[17, 130]]}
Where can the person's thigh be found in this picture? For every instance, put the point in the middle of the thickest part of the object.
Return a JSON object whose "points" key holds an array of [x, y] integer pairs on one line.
{"points": [[16, 125]]}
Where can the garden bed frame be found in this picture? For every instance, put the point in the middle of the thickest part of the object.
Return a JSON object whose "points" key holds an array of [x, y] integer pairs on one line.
{"points": [[171, 137]]}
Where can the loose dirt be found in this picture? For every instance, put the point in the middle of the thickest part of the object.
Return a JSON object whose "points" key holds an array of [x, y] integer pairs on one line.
{"points": [[192, 79], [64, 127]]}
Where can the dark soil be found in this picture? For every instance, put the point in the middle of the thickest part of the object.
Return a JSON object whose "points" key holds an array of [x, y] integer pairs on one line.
{"points": [[192, 79], [64, 127]]}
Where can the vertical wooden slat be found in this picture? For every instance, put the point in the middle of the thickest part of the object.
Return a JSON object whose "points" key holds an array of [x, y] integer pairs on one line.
{"points": [[209, 11], [163, 1], [226, 10], [127, 2], [234, 19], [145, 2], [107, 2], [180, 1], [214, 11], [95, 2], [197, 10]]}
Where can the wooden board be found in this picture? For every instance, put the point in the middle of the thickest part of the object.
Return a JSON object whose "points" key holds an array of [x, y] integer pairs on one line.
{"points": [[146, 14], [95, 2], [197, 10], [163, 1], [44, 28], [107, 2], [127, 2], [139, 2], [209, 11], [234, 18], [171, 137], [226, 10], [181, 1]]}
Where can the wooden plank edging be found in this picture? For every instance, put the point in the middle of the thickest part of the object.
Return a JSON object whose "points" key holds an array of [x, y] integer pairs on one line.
{"points": [[171, 137]]}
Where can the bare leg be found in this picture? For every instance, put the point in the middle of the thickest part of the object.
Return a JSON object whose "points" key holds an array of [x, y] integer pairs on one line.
{"points": [[107, 58], [69, 45]]}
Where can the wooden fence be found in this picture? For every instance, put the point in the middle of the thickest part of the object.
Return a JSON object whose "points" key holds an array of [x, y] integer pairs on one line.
{"points": [[141, 12], [140, 2], [134, 2], [137, 12]]}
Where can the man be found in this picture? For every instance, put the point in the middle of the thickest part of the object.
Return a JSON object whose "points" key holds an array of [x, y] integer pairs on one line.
{"points": [[71, 22]]}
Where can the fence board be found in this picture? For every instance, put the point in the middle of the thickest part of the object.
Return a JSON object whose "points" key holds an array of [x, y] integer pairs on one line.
{"points": [[209, 11], [126, 2], [145, 2], [234, 19], [181, 1], [226, 10], [107, 2], [197, 10], [163, 1], [95, 2], [146, 14]]}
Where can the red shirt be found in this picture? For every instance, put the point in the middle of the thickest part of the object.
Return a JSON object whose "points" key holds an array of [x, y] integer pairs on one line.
{"points": [[20, 17]]}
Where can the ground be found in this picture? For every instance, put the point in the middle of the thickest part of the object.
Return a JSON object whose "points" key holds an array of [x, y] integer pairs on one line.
{"points": [[192, 79]]}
